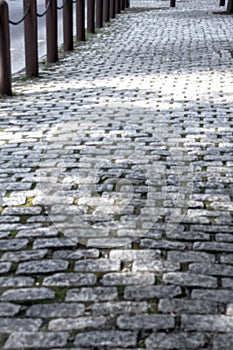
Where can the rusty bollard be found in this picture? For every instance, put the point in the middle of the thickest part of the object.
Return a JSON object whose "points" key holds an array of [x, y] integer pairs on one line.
{"points": [[127, 4], [230, 6], [80, 20], [5, 60], [112, 9], [106, 9], [118, 6], [172, 3], [99, 13], [68, 25], [51, 31], [30, 37], [91, 16]]}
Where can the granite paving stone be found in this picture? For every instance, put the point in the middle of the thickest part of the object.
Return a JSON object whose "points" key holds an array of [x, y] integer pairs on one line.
{"points": [[179, 340], [13, 244], [151, 292], [106, 339], [5, 267], [11, 324], [179, 306], [211, 323], [145, 322], [80, 323], [9, 309], [100, 265], [190, 279], [21, 281], [70, 279], [223, 295], [24, 255], [42, 266], [28, 294], [54, 310], [36, 340], [115, 308], [126, 278], [222, 341], [116, 163], [92, 294]]}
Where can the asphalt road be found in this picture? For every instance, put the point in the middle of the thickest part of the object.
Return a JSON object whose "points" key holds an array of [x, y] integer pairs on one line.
{"points": [[17, 32]]}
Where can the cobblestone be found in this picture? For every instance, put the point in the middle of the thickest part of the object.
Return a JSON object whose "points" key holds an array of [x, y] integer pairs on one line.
{"points": [[28, 294], [177, 340], [114, 279], [92, 294], [8, 309], [211, 323], [70, 279], [26, 255], [9, 325], [56, 310], [36, 340], [101, 339], [116, 188], [100, 265], [77, 324], [190, 279], [145, 322]]}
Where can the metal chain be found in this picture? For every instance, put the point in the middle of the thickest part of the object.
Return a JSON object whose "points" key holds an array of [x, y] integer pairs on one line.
{"points": [[46, 10], [63, 5], [24, 16]]}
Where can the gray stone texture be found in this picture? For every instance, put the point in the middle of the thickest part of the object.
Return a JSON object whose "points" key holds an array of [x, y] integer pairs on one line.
{"points": [[179, 340], [26, 340], [106, 339], [116, 166]]}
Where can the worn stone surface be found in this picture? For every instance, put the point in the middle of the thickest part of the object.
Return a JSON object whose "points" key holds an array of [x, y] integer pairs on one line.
{"points": [[92, 294], [211, 323], [116, 188], [180, 340], [26, 340], [9, 325], [42, 266], [106, 339], [55, 310], [70, 279], [8, 309], [80, 323], [145, 322]]}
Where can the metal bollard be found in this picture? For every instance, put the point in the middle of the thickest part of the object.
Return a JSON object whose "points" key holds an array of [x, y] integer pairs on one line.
{"points": [[68, 26], [118, 6], [99, 13], [106, 8], [222, 3], [91, 16], [30, 37], [112, 9], [51, 32], [127, 4], [80, 20], [230, 6], [172, 3], [5, 60], [122, 5]]}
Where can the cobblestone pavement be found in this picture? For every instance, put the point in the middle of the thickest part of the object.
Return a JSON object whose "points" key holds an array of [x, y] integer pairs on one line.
{"points": [[116, 189]]}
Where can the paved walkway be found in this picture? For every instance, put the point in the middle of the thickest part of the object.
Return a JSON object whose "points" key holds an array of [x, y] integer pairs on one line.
{"points": [[116, 189]]}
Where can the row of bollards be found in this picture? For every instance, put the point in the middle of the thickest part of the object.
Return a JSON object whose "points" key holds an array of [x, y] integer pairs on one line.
{"points": [[5, 65], [98, 12]]}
